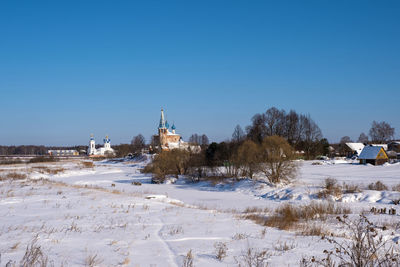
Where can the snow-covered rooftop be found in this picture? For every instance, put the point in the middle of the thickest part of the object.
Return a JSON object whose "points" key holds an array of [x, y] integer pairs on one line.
{"points": [[356, 147]]}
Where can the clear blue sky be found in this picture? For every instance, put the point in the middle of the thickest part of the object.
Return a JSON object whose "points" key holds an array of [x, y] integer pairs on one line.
{"points": [[72, 68]]}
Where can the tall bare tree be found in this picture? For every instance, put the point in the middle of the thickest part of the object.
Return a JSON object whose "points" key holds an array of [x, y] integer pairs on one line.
{"points": [[204, 140], [257, 130], [363, 138], [381, 132], [138, 143], [238, 134]]}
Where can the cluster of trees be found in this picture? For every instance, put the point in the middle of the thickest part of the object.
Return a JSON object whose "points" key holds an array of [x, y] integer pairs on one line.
{"points": [[273, 157], [34, 150], [300, 131], [201, 140]]}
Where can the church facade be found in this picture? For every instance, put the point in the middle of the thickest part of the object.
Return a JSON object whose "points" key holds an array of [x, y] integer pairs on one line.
{"points": [[102, 151], [168, 139]]}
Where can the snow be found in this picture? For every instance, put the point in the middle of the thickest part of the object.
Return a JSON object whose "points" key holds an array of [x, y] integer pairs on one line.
{"points": [[83, 212]]}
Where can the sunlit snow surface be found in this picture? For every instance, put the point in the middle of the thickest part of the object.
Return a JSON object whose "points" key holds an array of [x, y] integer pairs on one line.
{"points": [[83, 212]]}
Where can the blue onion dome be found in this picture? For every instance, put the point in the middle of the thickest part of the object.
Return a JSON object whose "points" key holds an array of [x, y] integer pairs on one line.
{"points": [[173, 127], [166, 125]]}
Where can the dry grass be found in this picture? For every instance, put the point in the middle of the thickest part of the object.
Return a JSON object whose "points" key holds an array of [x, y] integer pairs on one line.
{"points": [[34, 256], [93, 260], [188, 259], [15, 246], [47, 170], [256, 210], [126, 261], [287, 216], [13, 176], [87, 164], [313, 230]]}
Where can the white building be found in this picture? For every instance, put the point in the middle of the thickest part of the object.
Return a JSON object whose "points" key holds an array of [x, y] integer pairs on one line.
{"points": [[105, 150]]}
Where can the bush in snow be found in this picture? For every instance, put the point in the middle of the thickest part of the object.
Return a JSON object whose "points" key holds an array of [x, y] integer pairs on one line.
{"points": [[188, 260], [378, 186], [277, 160], [220, 250], [365, 247]]}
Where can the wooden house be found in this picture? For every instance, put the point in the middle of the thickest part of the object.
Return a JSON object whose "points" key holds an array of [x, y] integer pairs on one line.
{"points": [[353, 149], [374, 155]]}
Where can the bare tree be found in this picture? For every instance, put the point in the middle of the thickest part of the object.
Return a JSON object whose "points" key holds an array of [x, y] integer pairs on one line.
{"points": [[257, 130], [138, 143], [277, 159], [195, 139], [248, 157], [345, 139], [310, 133], [363, 138], [381, 132], [275, 121], [238, 134], [292, 127], [204, 140]]}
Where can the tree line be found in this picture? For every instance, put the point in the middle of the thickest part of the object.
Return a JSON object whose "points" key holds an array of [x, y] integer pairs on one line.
{"points": [[268, 146]]}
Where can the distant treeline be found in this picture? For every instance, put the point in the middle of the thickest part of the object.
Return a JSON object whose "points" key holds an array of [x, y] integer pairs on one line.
{"points": [[34, 150]]}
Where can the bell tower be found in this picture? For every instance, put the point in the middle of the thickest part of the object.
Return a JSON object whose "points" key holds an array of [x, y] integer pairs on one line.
{"points": [[92, 146], [107, 143]]}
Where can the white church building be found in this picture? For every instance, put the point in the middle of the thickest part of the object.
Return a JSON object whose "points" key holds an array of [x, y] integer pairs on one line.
{"points": [[101, 151]]}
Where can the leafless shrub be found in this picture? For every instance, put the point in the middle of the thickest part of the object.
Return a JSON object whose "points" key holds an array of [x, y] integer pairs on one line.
{"points": [[220, 250], [92, 260], [366, 247], [396, 187], [136, 183], [378, 186], [278, 163], [252, 257], [331, 188], [175, 230], [239, 236], [350, 188], [188, 259], [284, 246], [34, 256]]}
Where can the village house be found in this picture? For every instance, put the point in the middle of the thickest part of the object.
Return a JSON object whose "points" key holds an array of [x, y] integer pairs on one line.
{"points": [[374, 155], [63, 152], [353, 149]]}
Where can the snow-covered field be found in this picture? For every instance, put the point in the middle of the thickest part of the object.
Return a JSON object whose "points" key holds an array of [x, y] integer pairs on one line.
{"points": [[96, 216]]}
